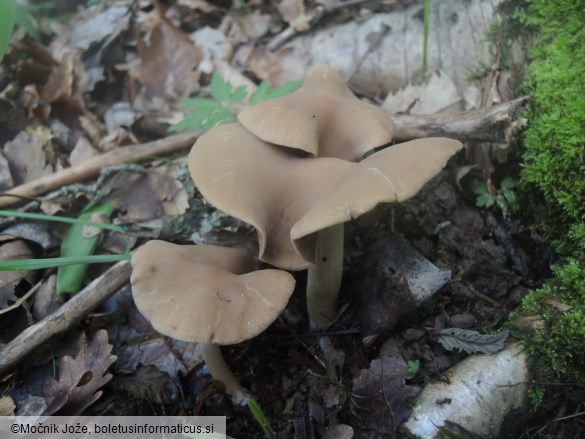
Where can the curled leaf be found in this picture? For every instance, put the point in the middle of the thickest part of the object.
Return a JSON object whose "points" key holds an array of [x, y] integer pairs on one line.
{"points": [[472, 342]]}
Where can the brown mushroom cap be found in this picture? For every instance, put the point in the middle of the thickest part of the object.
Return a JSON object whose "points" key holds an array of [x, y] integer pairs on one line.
{"points": [[323, 118], [288, 199], [206, 293]]}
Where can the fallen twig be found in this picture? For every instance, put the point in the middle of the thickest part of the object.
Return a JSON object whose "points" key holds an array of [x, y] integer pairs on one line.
{"points": [[22, 299], [498, 123], [92, 167], [65, 317]]}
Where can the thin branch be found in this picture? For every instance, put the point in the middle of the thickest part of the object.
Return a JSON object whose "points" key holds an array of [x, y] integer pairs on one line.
{"points": [[92, 167], [65, 317], [22, 299], [498, 123]]}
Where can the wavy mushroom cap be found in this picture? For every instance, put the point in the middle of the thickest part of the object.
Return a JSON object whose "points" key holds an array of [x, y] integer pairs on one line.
{"points": [[206, 294], [288, 199], [323, 118]]}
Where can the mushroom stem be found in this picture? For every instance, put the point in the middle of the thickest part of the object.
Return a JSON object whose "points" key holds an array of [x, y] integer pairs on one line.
{"points": [[220, 371], [324, 279]]}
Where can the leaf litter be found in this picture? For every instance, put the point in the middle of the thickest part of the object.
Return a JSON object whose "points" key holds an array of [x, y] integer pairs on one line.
{"points": [[83, 371]]}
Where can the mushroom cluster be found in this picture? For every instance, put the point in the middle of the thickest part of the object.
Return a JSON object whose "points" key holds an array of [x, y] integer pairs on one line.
{"points": [[293, 168]]}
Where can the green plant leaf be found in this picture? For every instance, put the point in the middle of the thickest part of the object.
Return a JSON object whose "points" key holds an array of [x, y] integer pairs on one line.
{"points": [[283, 90], [260, 93], [199, 104], [508, 183], [481, 189], [219, 116], [80, 241], [485, 200], [22, 17], [59, 219], [260, 418], [238, 95], [41, 264], [220, 88], [7, 17], [413, 366], [211, 112]]}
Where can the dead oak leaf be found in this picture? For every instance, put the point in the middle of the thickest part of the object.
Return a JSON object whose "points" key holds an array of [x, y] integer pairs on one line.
{"points": [[10, 250], [80, 376], [27, 157], [168, 62], [382, 395]]}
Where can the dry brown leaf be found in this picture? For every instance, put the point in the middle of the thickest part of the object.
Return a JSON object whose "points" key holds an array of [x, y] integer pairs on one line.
{"points": [[6, 181], [151, 195], [169, 62], [82, 152], [27, 157], [12, 250], [80, 376], [277, 67], [60, 82], [295, 14], [382, 395]]}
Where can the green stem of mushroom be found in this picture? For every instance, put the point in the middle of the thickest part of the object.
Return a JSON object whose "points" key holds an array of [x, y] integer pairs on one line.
{"points": [[220, 371], [324, 279]]}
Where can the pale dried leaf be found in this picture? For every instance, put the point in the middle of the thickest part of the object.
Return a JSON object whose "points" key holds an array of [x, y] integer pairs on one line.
{"points": [[277, 67], [438, 94], [27, 158], [6, 181], [103, 25], [200, 5], [46, 301], [80, 377], [7, 406], [472, 342], [295, 14], [82, 152]]}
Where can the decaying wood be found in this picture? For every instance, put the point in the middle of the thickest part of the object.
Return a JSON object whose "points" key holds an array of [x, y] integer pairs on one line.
{"points": [[65, 317], [92, 167], [498, 123]]}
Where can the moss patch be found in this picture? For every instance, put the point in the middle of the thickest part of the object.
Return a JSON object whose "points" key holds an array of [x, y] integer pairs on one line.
{"points": [[553, 176]]}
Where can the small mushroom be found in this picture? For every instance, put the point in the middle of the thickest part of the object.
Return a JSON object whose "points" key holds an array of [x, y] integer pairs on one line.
{"points": [[323, 118], [298, 205], [207, 294]]}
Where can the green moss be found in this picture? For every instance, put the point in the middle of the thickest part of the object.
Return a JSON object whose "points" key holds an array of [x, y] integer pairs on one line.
{"points": [[553, 177], [561, 304], [554, 144]]}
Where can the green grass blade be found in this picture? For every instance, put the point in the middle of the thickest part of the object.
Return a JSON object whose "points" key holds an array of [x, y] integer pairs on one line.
{"points": [[77, 243], [41, 264], [60, 219], [426, 24], [6, 24], [260, 418]]}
